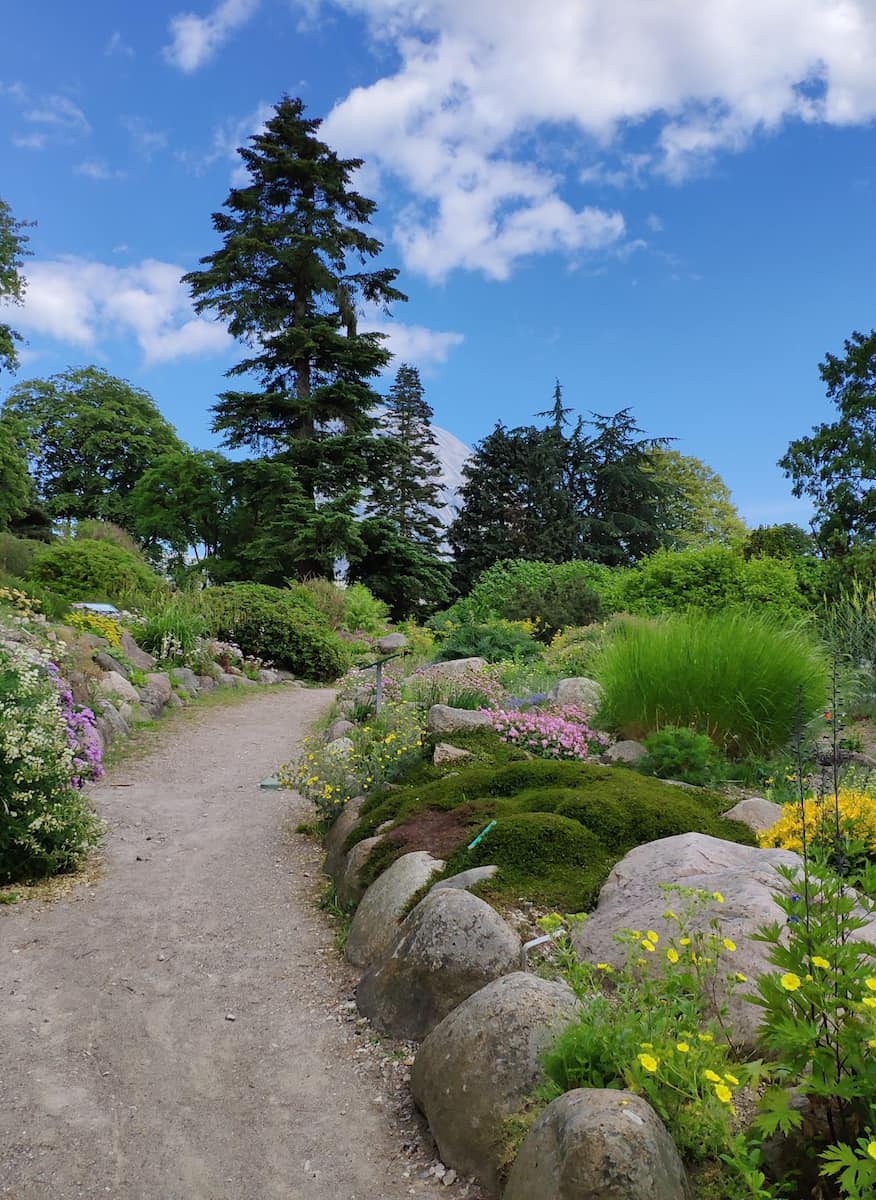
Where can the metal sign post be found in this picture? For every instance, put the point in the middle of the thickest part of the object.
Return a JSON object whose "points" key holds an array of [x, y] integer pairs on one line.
{"points": [[378, 685]]}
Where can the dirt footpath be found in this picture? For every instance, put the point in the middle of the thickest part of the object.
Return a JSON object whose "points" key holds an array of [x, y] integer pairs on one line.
{"points": [[182, 1029]]}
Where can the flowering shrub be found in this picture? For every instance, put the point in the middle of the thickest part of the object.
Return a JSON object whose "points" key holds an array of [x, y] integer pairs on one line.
{"points": [[48, 750], [642, 1026], [854, 810], [103, 626], [471, 688], [560, 732], [330, 773]]}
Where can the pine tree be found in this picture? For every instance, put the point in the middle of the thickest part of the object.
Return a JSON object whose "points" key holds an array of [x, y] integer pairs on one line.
{"points": [[408, 491], [282, 283]]}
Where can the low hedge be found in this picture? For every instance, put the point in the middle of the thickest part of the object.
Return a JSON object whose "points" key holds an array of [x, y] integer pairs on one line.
{"points": [[278, 625]]}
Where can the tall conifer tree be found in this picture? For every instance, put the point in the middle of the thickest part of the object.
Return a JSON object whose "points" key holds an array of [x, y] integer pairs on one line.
{"points": [[285, 282]]}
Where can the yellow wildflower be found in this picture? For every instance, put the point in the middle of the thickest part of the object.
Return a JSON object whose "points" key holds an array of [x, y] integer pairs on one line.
{"points": [[790, 982], [652, 936], [685, 941], [728, 944], [871, 983], [871, 1149], [672, 955], [818, 961], [718, 897], [723, 1093], [649, 1062], [712, 1077], [682, 1047], [731, 1079], [646, 945]]}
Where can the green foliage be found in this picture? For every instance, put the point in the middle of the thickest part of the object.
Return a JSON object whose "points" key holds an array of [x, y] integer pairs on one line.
{"points": [[288, 281], [404, 573], [496, 592], [108, 531], [16, 486], [52, 604], [494, 640], [698, 510], [45, 825], [735, 676], [181, 501], [276, 625], [836, 465], [173, 625], [362, 610], [13, 241], [713, 578], [574, 651], [680, 753], [327, 598], [90, 436], [778, 541], [87, 570], [16, 554]]}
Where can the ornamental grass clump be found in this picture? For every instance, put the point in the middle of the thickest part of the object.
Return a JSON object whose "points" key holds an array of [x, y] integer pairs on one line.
{"points": [[48, 751], [737, 677], [559, 732]]}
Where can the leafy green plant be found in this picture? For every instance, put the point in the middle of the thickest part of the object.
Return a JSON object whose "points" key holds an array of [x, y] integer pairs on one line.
{"points": [[16, 554], [50, 603], [679, 753], [90, 570], [327, 598], [363, 611], [494, 640], [277, 626], [736, 676], [174, 625]]}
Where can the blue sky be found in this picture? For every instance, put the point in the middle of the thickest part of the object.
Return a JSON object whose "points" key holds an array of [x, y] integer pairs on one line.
{"points": [[667, 204]]}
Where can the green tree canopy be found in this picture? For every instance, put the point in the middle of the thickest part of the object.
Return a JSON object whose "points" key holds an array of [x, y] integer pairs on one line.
{"points": [[778, 541], [181, 501], [16, 486], [12, 251], [288, 282], [836, 465], [698, 510], [90, 436]]}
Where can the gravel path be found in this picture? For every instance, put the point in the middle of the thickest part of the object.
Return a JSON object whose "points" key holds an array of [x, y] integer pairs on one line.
{"points": [[181, 1028]]}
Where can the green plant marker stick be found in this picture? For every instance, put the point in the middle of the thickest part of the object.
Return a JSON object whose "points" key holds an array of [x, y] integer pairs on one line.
{"points": [[483, 833]]}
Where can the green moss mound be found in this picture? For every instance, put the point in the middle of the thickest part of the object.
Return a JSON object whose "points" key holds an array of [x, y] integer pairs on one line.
{"points": [[560, 826], [278, 625]]}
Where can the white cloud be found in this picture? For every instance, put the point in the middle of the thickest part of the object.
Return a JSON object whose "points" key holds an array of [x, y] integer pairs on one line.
{"points": [[465, 122], [30, 141], [412, 343], [86, 304], [654, 223], [117, 45], [97, 169], [60, 113], [195, 40], [145, 139]]}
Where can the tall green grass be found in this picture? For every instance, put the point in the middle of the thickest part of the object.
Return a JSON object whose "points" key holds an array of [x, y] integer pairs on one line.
{"points": [[739, 677], [175, 621]]}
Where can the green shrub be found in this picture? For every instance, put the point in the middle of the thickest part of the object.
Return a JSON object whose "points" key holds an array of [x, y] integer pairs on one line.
{"points": [[735, 676], [90, 570], [327, 598], [16, 554], [108, 531], [498, 590], [275, 624], [493, 640], [679, 753], [363, 611]]}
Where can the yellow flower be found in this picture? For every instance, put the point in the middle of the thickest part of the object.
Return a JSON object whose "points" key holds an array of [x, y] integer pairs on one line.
{"points": [[652, 936], [603, 967], [672, 955], [871, 983], [740, 978], [718, 897], [731, 1079], [712, 1077], [790, 982], [729, 945], [682, 1047], [870, 1001], [872, 1043], [669, 915], [649, 1062], [818, 961], [646, 945], [645, 1046], [871, 1149], [705, 1037], [723, 1093], [685, 941]]}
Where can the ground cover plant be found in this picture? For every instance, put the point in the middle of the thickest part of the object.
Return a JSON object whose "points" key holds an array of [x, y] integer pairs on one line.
{"points": [[738, 677]]}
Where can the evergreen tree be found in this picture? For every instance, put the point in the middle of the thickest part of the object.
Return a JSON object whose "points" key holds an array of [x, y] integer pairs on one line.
{"points": [[282, 283], [401, 571], [407, 491]]}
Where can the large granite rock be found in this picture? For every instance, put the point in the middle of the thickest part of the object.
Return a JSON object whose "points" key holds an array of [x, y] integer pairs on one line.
{"points": [[580, 690], [744, 876], [444, 754], [350, 887], [476, 1068], [206, 683], [458, 666], [467, 879], [375, 927], [626, 752], [115, 687], [186, 678], [391, 643], [156, 693], [343, 825], [450, 946], [111, 723], [339, 729], [106, 662], [755, 812], [443, 719], [138, 658], [594, 1144]]}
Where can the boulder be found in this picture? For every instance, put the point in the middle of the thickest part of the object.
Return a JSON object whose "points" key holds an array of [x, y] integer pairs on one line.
{"points": [[138, 658], [186, 678], [156, 692], [624, 752], [339, 729], [350, 888], [344, 824], [391, 643], [755, 812], [106, 662], [444, 753], [467, 879], [594, 1144], [450, 946], [580, 690], [443, 719], [80, 686], [115, 687], [268, 677], [375, 927], [111, 723], [478, 1066], [341, 748], [743, 876], [458, 666], [206, 683], [225, 679]]}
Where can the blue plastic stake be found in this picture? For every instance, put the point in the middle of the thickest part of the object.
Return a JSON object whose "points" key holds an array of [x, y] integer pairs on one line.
{"points": [[483, 833]]}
